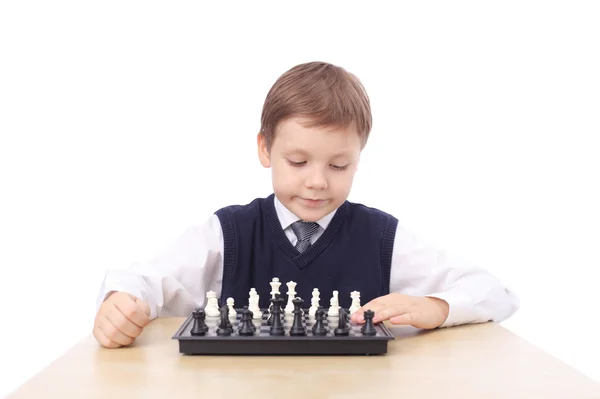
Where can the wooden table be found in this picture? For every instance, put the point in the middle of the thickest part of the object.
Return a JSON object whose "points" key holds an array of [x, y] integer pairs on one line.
{"points": [[474, 361]]}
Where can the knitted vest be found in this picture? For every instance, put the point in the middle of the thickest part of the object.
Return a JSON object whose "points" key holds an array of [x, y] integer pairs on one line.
{"points": [[354, 253]]}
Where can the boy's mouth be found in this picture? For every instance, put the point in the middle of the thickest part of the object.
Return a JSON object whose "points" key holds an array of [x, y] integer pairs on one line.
{"points": [[312, 202]]}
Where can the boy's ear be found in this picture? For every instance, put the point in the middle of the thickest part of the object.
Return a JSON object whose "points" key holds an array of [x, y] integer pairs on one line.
{"points": [[263, 153]]}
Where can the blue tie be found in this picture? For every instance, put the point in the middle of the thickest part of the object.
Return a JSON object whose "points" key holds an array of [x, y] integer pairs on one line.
{"points": [[304, 231]]}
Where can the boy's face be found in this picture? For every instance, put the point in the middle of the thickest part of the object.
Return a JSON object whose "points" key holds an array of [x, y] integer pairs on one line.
{"points": [[312, 168]]}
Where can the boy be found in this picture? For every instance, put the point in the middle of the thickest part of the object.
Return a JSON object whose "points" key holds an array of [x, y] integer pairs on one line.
{"points": [[315, 122]]}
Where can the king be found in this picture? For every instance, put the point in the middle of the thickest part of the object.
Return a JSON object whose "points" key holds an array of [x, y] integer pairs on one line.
{"points": [[275, 284]]}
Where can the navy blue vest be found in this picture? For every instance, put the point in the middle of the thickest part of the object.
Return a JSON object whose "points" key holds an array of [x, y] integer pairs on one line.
{"points": [[353, 253]]}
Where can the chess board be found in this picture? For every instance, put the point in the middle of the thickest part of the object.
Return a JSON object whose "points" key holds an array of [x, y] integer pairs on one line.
{"points": [[261, 342]]}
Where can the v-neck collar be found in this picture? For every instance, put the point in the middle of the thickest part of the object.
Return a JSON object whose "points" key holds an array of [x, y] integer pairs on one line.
{"points": [[301, 260], [287, 217]]}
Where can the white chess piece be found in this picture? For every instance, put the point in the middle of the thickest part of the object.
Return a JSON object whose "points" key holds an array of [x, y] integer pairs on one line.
{"points": [[251, 296], [334, 308], [291, 293], [253, 304], [275, 283], [212, 305], [355, 295], [230, 302], [314, 302]]}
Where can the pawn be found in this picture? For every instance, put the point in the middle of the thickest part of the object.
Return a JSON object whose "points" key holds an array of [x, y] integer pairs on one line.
{"points": [[230, 302], [199, 327], [342, 328], [319, 327], [247, 328], [368, 328], [297, 325]]}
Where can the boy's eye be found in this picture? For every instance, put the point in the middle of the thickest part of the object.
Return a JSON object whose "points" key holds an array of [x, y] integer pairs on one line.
{"points": [[337, 167], [296, 163]]}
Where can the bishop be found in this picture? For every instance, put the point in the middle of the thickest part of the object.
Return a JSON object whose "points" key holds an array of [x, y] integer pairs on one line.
{"points": [[334, 308]]}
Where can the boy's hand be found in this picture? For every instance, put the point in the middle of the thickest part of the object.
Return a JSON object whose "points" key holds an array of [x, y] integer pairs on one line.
{"points": [[420, 312], [120, 320]]}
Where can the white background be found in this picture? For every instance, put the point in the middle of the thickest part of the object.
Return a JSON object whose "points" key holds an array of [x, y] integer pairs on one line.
{"points": [[123, 122]]}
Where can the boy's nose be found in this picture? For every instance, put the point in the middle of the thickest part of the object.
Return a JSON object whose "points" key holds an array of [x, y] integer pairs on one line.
{"points": [[316, 180]]}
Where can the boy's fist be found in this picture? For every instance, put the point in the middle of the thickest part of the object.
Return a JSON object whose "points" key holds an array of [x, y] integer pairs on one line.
{"points": [[120, 319], [420, 312]]}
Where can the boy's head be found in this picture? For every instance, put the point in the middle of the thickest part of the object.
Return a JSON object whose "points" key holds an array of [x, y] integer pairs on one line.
{"points": [[315, 122]]}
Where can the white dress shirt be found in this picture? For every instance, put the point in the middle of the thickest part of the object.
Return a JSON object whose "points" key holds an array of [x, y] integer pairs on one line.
{"points": [[177, 280]]}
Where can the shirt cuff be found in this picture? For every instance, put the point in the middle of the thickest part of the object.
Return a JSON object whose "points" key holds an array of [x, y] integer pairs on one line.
{"points": [[460, 308]]}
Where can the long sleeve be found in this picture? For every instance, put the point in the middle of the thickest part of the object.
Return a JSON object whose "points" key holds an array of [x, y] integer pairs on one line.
{"points": [[176, 281], [473, 294]]}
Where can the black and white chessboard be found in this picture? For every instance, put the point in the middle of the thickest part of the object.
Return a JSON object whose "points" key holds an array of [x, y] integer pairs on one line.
{"points": [[262, 342]]}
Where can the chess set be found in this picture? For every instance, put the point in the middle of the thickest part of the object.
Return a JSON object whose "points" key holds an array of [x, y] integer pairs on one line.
{"points": [[279, 330]]}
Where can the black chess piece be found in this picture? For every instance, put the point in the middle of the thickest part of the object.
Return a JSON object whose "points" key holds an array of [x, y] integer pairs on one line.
{"points": [[368, 328], [276, 324], [225, 308], [319, 328], [247, 328], [270, 318], [251, 315], [246, 307], [343, 328], [199, 327], [225, 328], [298, 325]]}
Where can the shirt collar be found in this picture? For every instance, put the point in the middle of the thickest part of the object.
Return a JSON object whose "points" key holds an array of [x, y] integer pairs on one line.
{"points": [[286, 217]]}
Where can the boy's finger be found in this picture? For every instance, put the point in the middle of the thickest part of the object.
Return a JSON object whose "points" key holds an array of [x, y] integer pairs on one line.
{"points": [[404, 319], [386, 313], [374, 305], [133, 312], [382, 312], [104, 340], [144, 307], [123, 324], [112, 333]]}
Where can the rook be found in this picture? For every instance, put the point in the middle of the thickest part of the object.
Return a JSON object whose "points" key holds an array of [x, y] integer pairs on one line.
{"points": [[368, 328]]}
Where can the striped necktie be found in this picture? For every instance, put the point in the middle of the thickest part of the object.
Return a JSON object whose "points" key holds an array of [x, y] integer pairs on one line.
{"points": [[304, 231]]}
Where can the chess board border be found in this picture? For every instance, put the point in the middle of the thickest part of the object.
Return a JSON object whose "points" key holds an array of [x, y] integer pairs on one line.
{"points": [[283, 345]]}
